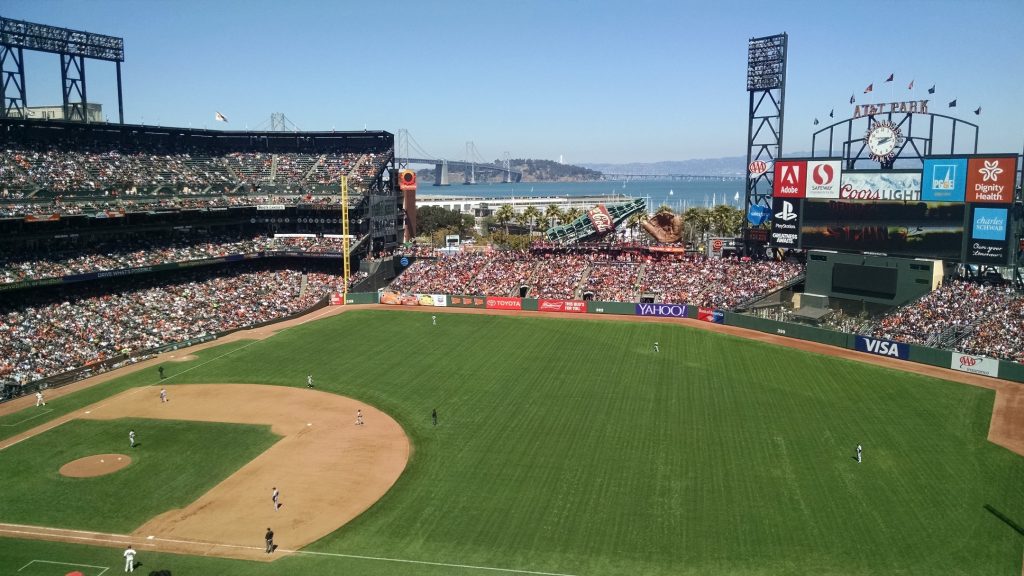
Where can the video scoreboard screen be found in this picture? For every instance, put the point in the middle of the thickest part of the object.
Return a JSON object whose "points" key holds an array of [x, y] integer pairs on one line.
{"points": [[954, 208]]}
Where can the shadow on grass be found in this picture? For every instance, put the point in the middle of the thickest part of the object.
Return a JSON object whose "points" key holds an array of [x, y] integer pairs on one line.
{"points": [[1005, 519]]}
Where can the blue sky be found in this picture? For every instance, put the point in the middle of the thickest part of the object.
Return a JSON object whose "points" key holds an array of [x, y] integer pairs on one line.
{"points": [[591, 81]]}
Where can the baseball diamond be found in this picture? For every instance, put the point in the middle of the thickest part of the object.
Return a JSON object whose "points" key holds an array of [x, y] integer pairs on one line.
{"points": [[650, 463]]}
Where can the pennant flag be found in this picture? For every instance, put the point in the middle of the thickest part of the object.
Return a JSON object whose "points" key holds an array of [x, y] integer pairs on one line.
{"points": [[952, 104], [831, 113], [815, 121], [869, 88], [978, 111], [911, 85], [219, 117], [889, 79], [932, 89], [852, 99]]}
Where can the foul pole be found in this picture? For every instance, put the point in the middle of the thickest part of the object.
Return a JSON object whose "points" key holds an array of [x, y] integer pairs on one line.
{"points": [[344, 238]]}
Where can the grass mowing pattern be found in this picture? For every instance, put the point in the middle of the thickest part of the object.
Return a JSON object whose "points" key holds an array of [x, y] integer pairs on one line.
{"points": [[173, 463], [570, 446]]}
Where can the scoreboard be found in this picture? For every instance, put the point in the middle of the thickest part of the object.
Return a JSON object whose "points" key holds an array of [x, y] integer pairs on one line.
{"points": [[953, 208]]}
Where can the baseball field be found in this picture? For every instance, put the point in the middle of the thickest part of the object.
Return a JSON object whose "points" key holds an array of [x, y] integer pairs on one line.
{"points": [[562, 447]]}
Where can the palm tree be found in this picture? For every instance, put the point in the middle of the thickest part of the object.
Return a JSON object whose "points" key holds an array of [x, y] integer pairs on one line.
{"points": [[697, 221], [532, 215], [504, 215], [634, 222], [573, 213], [726, 220], [553, 214]]}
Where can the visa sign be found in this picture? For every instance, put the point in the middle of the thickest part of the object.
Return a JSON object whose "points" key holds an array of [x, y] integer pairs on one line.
{"points": [[883, 347]]}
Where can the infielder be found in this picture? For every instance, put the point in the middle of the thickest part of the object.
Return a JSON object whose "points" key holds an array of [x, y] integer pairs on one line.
{"points": [[129, 559], [359, 417], [163, 394], [39, 398], [859, 450], [276, 497], [309, 381], [131, 438]]}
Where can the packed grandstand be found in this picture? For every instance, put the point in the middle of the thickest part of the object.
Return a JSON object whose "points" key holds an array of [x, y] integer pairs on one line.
{"points": [[113, 247]]}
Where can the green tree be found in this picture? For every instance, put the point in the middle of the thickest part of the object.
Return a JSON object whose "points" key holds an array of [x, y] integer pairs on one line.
{"points": [[504, 215], [572, 214], [553, 215], [726, 220], [431, 218], [533, 216], [697, 221]]}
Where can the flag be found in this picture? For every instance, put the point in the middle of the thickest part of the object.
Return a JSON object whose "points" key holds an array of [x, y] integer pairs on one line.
{"points": [[852, 99], [831, 113], [869, 88], [889, 79], [978, 111], [815, 121], [932, 89], [911, 85], [219, 117], [952, 104]]}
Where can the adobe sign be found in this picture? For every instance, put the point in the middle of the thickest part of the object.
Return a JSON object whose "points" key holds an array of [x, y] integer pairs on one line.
{"points": [[790, 179], [991, 180]]}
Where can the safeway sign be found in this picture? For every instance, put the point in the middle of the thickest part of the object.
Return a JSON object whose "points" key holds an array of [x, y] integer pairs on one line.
{"points": [[975, 364]]}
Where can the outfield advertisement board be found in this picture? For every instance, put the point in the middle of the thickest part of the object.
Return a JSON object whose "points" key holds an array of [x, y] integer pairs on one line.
{"points": [[462, 301], [975, 364], [573, 306], [785, 223], [990, 180], [887, 185], [711, 315], [883, 347], [502, 303], [989, 242], [395, 299], [944, 179], [651, 309], [824, 178]]}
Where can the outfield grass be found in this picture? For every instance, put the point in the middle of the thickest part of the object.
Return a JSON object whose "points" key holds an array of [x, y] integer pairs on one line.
{"points": [[569, 446], [173, 463]]}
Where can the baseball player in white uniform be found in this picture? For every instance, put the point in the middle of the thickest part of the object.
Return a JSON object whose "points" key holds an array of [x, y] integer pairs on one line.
{"points": [[656, 347], [433, 319], [276, 497], [129, 559], [309, 381], [163, 394], [39, 398], [359, 417], [131, 438], [859, 450]]}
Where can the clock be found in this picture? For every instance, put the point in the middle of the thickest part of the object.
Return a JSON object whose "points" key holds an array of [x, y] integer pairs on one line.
{"points": [[884, 140]]}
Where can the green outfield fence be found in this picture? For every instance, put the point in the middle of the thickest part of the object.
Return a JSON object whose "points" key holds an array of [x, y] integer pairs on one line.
{"points": [[907, 352]]}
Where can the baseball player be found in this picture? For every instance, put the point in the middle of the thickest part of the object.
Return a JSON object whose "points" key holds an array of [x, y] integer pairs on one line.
{"points": [[129, 559], [309, 381], [39, 398], [359, 417], [276, 497], [161, 371], [131, 438], [433, 416], [859, 450], [433, 319], [656, 347], [163, 394], [269, 537]]}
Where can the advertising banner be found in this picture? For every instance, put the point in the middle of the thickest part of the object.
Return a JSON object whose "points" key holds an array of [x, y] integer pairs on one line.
{"points": [[881, 186], [337, 299], [467, 301], [503, 303], [601, 219], [790, 179], [991, 180], [650, 309], [944, 179], [270, 207], [756, 215], [574, 306], [989, 231], [975, 364], [710, 315], [785, 223], [823, 178], [42, 217], [882, 347]]}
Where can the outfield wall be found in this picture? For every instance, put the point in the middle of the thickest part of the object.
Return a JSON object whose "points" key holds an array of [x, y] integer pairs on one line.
{"points": [[866, 345]]}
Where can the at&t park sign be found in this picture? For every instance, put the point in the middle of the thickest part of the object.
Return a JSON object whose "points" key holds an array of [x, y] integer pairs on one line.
{"points": [[910, 107]]}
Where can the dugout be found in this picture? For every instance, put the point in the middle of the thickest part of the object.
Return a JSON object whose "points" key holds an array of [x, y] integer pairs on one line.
{"points": [[875, 279]]}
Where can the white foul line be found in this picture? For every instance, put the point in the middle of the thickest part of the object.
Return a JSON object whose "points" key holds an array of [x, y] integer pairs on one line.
{"points": [[105, 568], [47, 411]]}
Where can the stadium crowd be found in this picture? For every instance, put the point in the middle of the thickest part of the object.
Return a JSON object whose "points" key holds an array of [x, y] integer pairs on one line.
{"points": [[950, 311], [625, 276], [42, 337], [72, 259], [1000, 334]]}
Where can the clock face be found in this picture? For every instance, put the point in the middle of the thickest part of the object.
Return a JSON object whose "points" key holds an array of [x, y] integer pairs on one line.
{"points": [[883, 139]]}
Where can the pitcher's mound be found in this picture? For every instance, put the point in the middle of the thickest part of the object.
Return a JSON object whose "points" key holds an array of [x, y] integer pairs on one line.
{"points": [[97, 465]]}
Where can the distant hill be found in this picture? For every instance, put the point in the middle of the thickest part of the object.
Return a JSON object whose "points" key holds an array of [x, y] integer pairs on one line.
{"points": [[728, 166], [533, 171]]}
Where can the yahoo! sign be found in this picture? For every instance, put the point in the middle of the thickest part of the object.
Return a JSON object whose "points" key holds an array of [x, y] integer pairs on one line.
{"points": [[673, 310]]}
